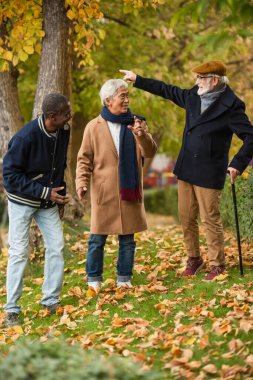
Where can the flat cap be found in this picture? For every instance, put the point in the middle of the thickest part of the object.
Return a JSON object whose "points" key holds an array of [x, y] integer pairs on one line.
{"points": [[211, 67]]}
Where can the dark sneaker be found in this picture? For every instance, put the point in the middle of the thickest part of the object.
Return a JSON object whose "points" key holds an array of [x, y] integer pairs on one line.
{"points": [[193, 266], [12, 319], [53, 309], [214, 272]]}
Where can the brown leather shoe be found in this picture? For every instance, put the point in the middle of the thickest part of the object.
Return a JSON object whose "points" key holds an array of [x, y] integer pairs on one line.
{"points": [[214, 272], [194, 265]]}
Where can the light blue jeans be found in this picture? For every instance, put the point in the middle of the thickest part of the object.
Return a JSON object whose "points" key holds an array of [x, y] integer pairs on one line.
{"points": [[49, 223]]}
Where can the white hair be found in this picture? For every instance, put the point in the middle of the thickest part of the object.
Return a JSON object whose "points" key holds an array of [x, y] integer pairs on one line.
{"points": [[110, 88], [222, 79]]}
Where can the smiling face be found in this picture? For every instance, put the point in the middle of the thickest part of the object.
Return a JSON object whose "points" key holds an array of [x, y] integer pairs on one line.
{"points": [[206, 83], [55, 121], [62, 117], [118, 104]]}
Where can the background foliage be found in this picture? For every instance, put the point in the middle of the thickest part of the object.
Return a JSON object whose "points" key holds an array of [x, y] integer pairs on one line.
{"points": [[156, 38], [244, 195]]}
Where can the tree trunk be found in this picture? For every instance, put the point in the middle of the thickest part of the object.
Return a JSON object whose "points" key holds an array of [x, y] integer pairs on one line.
{"points": [[54, 70], [10, 122], [10, 115], [55, 74]]}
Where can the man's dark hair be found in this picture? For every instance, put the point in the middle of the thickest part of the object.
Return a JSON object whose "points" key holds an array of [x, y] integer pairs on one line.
{"points": [[53, 104]]}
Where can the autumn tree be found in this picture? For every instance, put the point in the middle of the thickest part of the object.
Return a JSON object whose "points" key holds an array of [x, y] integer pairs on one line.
{"points": [[62, 32]]}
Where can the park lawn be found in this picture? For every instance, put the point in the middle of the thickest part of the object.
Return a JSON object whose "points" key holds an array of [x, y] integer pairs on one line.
{"points": [[185, 328]]}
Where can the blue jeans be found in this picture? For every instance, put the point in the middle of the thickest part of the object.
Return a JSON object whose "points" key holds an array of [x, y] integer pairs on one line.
{"points": [[49, 223], [95, 257]]}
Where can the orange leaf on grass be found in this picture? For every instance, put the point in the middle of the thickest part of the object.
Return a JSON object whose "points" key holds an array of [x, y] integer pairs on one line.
{"points": [[38, 281], [127, 307], [76, 292], [91, 293], [249, 360], [210, 368]]}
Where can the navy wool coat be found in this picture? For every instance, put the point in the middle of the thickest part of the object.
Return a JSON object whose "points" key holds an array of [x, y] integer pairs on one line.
{"points": [[203, 158]]}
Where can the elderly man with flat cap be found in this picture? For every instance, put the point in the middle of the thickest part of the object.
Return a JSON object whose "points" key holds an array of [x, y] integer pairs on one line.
{"points": [[213, 114]]}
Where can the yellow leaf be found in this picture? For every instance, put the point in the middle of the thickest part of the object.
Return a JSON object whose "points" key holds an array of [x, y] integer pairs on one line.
{"points": [[37, 48], [36, 13], [91, 293], [109, 281], [17, 329], [28, 49], [191, 340], [221, 277], [7, 55], [70, 14]]}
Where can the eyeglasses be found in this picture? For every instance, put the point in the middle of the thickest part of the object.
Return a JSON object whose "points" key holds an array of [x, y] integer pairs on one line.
{"points": [[204, 76]]}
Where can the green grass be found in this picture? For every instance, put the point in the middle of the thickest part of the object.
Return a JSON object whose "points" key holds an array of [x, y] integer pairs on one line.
{"points": [[182, 324]]}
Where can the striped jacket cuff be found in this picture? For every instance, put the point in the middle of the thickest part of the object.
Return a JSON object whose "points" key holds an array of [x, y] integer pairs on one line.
{"points": [[20, 200], [46, 192]]}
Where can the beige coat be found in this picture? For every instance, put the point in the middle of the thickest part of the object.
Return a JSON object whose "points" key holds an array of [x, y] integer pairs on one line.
{"points": [[98, 160]]}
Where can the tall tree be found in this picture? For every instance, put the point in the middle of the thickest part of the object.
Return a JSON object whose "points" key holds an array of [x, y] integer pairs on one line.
{"points": [[10, 115], [55, 62], [61, 31]]}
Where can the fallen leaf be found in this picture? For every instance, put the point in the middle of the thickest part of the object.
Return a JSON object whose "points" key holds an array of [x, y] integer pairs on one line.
{"points": [[210, 368]]}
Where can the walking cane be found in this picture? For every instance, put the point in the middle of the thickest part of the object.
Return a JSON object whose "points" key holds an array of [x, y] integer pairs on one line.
{"points": [[237, 228]]}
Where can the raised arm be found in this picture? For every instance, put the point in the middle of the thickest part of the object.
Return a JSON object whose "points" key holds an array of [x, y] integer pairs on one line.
{"points": [[167, 91]]}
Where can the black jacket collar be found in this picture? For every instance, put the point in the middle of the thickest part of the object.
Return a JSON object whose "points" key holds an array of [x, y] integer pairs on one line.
{"points": [[220, 105]]}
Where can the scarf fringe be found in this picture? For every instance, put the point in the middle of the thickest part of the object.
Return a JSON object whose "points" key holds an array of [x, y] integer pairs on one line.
{"points": [[131, 195]]}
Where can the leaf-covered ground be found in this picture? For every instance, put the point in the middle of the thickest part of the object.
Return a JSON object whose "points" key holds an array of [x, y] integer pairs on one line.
{"points": [[187, 328]]}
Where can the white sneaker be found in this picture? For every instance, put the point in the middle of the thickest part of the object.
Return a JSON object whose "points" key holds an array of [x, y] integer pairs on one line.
{"points": [[124, 284], [95, 285]]}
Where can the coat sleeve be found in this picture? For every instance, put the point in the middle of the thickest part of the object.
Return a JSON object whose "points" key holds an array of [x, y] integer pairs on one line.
{"points": [[85, 158], [147, 145], [166, 91], [14, 171], [242, 127]]}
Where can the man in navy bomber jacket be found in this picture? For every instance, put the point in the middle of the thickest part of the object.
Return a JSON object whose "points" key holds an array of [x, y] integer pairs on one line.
{"points": [[33, 174], [213, 114]]}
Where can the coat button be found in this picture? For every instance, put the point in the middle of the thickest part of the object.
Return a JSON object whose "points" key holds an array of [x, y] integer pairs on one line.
{"points": [[195, 155], [188, 133]]}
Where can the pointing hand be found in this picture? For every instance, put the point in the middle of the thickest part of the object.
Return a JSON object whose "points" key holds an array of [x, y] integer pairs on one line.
{"points": [[129, 75]]}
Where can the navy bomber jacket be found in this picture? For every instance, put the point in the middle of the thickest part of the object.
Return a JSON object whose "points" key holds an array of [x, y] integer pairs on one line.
{"points": [[35, 163]]}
